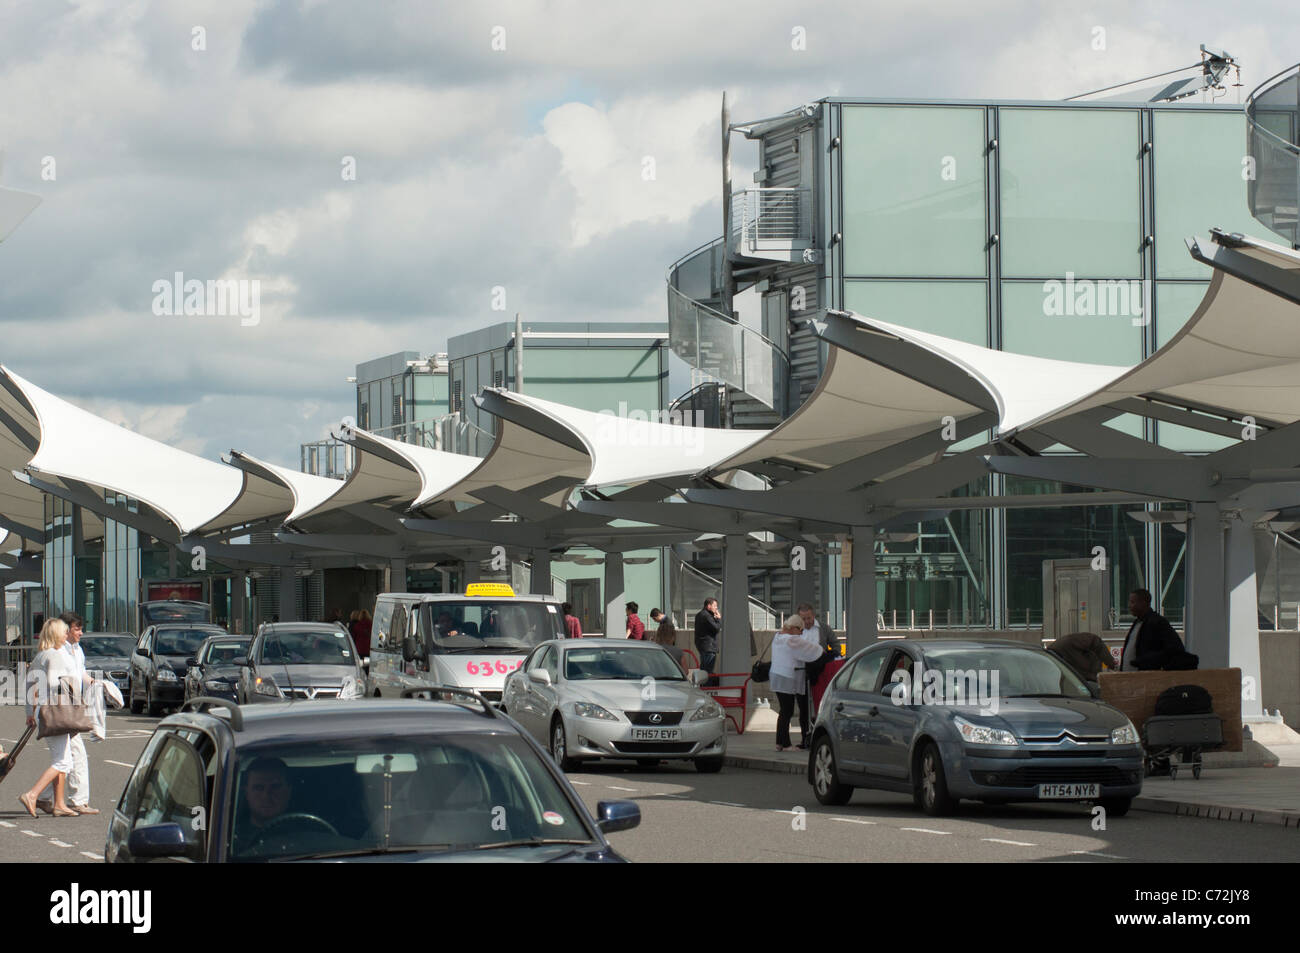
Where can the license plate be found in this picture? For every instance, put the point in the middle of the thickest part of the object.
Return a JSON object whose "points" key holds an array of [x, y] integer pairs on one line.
{"points": [[656, 734], [1058, 792]]}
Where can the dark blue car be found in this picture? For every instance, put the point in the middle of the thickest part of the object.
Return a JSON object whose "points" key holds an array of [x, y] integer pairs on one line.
{"points": [[402, 780], [993, 721]]}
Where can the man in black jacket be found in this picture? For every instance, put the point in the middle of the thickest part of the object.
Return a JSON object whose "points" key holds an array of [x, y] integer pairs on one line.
{"points": [[708, 623], [1151, 642]]}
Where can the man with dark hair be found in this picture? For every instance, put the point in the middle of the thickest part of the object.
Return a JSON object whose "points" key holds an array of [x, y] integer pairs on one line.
{"points": [[1151, 642], [635, 627], [708, 623], [572, 625], [266, 794], [666, 635]]}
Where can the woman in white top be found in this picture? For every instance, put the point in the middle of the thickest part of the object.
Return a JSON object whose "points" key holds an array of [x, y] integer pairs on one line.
{"points": [[790, 650], [53, 664]]}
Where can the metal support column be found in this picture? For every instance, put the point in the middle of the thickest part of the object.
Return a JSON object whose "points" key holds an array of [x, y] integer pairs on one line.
{"points": [[1206, 619], [862, 590], [539, 580], [238, 601], [1242, 644], [615, 597], [469, 572], [396, 579], [734, 652]]}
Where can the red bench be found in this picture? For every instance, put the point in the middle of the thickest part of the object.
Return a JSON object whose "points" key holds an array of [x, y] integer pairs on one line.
{"points": [[731, 696]]}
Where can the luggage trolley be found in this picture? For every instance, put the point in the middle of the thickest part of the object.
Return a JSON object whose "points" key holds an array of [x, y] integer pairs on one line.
{"points": [[1184, 724]]}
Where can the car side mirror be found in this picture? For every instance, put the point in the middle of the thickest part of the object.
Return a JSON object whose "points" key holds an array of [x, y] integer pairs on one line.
{"points": [[158, 840], [540, 675], [614, 816], [411, 649], [242, 662]]}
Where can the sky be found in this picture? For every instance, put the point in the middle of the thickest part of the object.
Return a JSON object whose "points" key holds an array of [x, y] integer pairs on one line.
{"points": [[380, 168]]}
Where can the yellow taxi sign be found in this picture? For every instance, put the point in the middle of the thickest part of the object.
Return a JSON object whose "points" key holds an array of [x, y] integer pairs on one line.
{"points": [[496, 589]]}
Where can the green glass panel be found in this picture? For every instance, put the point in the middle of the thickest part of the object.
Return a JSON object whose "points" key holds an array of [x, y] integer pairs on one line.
{"points": [[1199, 185], [1031, 326], [1175, 303], [594, 379], [1070, 196], [913, 191], [955, 309]]}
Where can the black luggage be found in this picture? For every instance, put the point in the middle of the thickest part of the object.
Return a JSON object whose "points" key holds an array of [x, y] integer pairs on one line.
{"points": [[7, 762], [1184, 700], [1167, 731]]}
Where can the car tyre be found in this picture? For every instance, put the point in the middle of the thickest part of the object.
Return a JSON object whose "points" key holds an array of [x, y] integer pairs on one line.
{"points": [[151, 708], [708, 765], [136, 706], [560, 747], [1116, 806], [826, 776], [930, 786]]}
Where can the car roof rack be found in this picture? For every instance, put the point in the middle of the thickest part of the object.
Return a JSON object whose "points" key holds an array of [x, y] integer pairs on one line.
{"points": [[431, 693], [203, 703]]}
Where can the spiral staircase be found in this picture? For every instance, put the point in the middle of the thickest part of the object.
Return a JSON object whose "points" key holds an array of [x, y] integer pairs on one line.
{"points": [[1273, 144]]}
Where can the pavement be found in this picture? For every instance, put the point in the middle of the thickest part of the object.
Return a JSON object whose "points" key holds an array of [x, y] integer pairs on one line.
{"points": [[1253, 795]]}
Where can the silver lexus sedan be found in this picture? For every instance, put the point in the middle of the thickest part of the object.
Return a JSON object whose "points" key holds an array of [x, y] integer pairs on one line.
{"points": [[614, 698]]}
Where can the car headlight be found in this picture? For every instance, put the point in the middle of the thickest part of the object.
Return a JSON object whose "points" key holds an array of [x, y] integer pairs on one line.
{"points": [[166, 675], [217, 685], [588, 710], [350, 688], [983, 735], [707, 711], [265, 686], [1125, 735]]}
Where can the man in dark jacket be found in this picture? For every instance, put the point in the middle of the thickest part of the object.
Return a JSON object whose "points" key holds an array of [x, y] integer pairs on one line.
{"points": [[1151, 642], [708, 623], [1084, 652]]}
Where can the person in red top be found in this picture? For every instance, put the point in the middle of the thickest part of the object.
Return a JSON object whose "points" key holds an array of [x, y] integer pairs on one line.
{"points": [[635, 627], [572, 626], [360, 631]]}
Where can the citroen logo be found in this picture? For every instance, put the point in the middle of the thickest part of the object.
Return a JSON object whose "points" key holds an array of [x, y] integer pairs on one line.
{"points": [[656, 718]]}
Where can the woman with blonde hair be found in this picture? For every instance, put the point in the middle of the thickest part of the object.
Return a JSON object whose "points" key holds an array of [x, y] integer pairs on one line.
{"points": [[791, 650], [51, 664]]}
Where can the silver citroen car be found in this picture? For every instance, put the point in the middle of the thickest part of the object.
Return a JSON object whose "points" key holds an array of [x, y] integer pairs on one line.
{"points": [[614, 698]]}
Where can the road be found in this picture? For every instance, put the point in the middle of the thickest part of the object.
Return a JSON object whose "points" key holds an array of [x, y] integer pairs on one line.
{"points": [[738, 816]]}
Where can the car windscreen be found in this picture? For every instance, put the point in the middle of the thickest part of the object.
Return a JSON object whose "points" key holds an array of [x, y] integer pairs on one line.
{"points": [[380, 792], [633, 663], [154, 613], [326, 646], [180, 641], [224, 653], [505, 627], [106, 646], [1003, 673]]}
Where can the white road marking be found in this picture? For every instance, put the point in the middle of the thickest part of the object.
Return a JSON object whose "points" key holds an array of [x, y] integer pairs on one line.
{"points": [[584, 783], [852, 820], [58, 843], [1014, 843], [86, 853], [33, 834], [615, 787], [7, 824], [923, 830], [726, 803], [121, 763], [1093, 853], [784, 810]]}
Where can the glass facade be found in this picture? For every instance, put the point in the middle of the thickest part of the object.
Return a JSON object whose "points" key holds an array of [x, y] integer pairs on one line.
{"points": [[1052, 230]]}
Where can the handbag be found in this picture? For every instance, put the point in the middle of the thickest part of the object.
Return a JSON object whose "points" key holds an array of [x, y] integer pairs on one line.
{"points": [[62, 716], [762, 671]]}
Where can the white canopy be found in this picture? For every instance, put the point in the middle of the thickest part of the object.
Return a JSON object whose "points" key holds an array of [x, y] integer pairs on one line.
{"points": [[437, 470], [634, 448]]}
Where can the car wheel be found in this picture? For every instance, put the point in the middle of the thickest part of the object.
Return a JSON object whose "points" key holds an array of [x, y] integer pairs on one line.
{"points": [[930, 786], [151, 707], [1116, 806], [560, 747], [136, 706], [708, 765], [826, 777]]}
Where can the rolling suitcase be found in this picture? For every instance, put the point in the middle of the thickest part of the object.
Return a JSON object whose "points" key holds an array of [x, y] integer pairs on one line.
{"points": [[7, 762], [1166, 735]]}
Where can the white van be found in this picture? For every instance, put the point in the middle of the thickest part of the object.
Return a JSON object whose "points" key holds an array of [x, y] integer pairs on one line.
{"points": [[423, 640]]}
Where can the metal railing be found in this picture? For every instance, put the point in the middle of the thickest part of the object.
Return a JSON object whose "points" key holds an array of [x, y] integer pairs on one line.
{"points": [[450, 432], [774, 220], [1273, 144], [717, 344], [690, 587]]}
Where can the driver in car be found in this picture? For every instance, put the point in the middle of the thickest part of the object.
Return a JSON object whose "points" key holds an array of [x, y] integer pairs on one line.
{"points": [[266, 796], [447, 625]]}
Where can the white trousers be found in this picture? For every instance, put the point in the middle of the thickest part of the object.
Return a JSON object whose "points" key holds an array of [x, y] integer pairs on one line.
{"points": [[78, 786]]}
